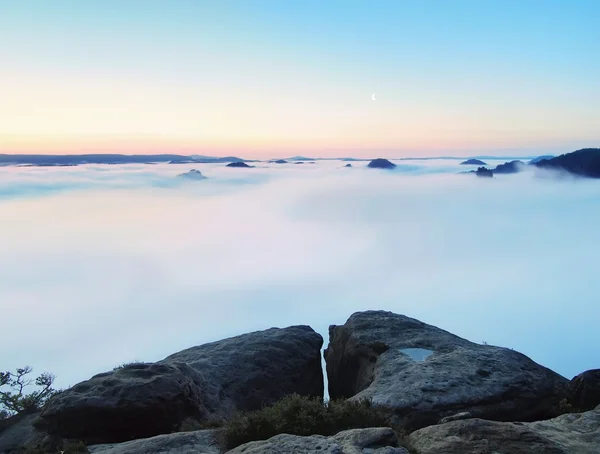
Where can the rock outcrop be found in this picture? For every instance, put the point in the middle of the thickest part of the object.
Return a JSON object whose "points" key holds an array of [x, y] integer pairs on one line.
{"points": [[483, 172], [196, 442], [18, 431], [134, 401], [381, 163], [473, 162], [457, 417], [584, 392], [206, 382], [252, 370], [509, 167], [239, 164], [377, 440], [425, 373], [193, 175], [571, 433]]}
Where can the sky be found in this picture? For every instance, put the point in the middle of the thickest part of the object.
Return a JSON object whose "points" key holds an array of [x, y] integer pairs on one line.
{"points": [[109, 264], [266, 78]]}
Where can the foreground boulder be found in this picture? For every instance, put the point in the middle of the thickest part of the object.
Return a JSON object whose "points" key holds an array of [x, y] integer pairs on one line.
{"points": [[584, 391], [206, 382], [425, 373], [19, 431], [252, 370], [377, 440], [134, 401], [196, 442], [571, 433]]}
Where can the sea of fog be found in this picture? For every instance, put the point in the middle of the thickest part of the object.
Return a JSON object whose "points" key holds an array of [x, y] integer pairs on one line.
{"points": [[100, 265]]}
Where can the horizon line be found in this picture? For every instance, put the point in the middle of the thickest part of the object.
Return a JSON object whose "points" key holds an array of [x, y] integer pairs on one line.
{"points": [[295, 157]]}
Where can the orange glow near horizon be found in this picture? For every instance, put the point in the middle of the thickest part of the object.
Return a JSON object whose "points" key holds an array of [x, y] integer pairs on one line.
{"points": [[36, 144]]}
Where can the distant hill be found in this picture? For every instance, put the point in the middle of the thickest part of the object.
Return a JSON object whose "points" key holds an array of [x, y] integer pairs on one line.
{"points": [[483, 172], [506, 168], [541, 158], [72, 160], [209, 159], [192, 175], [238, 164], [300, 158], [381, 163], [585, 162], [473, 162], [509, 167]]}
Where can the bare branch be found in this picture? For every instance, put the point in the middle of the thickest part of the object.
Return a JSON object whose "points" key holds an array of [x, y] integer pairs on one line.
{"points": [[15, 400]]}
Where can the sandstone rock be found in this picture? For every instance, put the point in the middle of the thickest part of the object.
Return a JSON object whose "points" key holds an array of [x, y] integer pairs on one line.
{"points": [[576, 433], [377, 440], [456, 417], [209, 381], [567, 434], [197, 442], [19, 431], [24, 433], [135, 401], [425, 373], [252, 370], [478, 436], [289, 444], [584, 392]]}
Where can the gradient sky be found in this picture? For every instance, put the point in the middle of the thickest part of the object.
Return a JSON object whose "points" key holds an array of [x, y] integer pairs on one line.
{"points": [[269, 78]]}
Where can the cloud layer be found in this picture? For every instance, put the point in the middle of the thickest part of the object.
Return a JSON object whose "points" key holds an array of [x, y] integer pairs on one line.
{"points": [[102, 265]]}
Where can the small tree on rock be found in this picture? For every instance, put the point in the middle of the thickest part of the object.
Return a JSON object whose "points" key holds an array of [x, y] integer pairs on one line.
{"points": [[13, 396]]}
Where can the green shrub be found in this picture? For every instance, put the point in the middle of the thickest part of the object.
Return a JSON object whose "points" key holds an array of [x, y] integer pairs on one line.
{"points": [[298, 415], [56, 446], [75, 447], [126, 364]]}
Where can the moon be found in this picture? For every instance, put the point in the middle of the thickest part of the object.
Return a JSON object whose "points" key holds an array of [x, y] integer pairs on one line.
{"points": [[373, 97]]}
